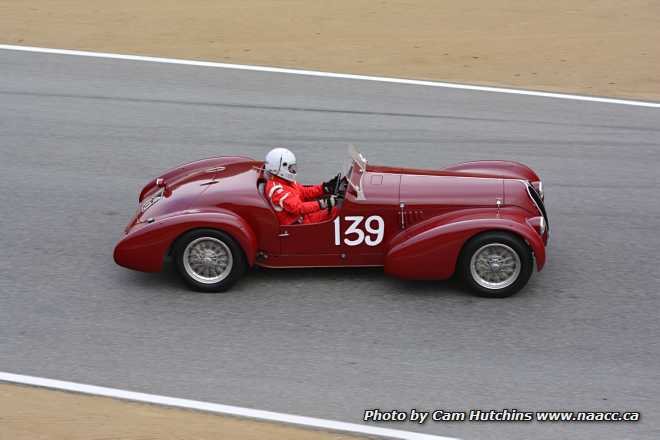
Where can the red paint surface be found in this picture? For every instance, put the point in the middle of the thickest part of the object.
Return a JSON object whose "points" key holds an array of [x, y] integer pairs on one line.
{"points": [[442, 210]]}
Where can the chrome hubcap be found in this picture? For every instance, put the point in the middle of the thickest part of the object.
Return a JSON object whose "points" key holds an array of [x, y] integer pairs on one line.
{"points": [[495, 266], [207, 260]]}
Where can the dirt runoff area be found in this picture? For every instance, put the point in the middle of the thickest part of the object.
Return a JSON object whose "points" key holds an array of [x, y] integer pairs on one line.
{"points": [[28, 413], [595, 47]]}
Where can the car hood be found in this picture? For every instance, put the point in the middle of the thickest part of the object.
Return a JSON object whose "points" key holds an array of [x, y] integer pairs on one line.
{"points": [[182, 187], [501, 169], [441, 190]]}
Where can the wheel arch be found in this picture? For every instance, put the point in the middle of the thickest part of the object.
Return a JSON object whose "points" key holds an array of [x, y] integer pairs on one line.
{"points": [[224, 221], [514, 233], [175, 242], [432, 251]]}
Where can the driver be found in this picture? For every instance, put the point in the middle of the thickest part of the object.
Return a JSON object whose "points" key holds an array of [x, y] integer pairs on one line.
{"points": [[295, 203]]}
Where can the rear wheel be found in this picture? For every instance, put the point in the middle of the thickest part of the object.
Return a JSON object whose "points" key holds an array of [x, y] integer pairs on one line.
{"points": [[209, 260], [496, 264]]}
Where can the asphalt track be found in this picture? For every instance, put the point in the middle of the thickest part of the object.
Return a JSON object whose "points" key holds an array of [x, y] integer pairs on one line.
{"points": [[79, 137]]}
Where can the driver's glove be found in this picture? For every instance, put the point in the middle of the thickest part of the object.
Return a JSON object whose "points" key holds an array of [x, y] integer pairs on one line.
{"points": [[327, 203], [329, 186]]}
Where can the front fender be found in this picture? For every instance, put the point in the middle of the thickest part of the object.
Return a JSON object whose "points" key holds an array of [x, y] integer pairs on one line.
{"points": [[431, 250], [146, 245]]}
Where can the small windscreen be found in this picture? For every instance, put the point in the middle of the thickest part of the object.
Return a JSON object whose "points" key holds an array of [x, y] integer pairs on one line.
{"points": [[356, 171], [357, 157]]}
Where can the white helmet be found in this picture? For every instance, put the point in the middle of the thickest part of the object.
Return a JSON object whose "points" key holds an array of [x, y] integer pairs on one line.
{"points": [[281, 162]]}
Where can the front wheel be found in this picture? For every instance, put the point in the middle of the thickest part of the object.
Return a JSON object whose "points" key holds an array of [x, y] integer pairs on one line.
{"points": [[496, 264], [209, 260]]}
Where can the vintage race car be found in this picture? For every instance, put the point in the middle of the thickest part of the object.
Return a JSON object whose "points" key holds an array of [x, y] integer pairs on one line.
{"points": [[484, 220]]}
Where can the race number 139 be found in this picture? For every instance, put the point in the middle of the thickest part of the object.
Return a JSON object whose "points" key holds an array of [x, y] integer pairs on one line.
{"points": [[370, 232]]}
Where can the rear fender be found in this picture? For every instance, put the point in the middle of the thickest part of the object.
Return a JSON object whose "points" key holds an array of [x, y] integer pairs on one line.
{"points": [[145, 247], [430, 250]]}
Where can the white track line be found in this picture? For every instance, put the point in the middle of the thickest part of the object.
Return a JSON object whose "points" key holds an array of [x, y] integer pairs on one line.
{"points": [[217, 408], [332, 75]]}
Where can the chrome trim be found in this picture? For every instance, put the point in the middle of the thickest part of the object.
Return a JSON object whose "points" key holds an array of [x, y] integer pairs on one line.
{"points": [[216, 169], [152, 201], [541, 208], [529, 193], [207, 260], [495, 266]]}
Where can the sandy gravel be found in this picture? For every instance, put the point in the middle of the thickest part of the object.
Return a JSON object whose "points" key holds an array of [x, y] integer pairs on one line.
{"points": [[28, 413], [599, 47]]}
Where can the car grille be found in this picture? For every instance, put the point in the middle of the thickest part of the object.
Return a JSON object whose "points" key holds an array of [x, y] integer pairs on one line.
{"points": [[539, 203]]}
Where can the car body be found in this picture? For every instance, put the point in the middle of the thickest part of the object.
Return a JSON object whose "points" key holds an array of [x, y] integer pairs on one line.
{"points": [[413, 222]]}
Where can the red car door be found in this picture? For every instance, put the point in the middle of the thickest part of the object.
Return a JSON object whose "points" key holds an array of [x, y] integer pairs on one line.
{"points": [[358, 235]]}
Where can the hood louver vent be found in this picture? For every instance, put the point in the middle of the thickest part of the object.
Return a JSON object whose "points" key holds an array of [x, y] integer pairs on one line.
{"points": [[216, 169]]}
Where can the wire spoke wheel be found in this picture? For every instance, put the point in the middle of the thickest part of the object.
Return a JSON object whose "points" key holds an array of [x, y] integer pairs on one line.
{"points": [[495, 266], [207, 260]]}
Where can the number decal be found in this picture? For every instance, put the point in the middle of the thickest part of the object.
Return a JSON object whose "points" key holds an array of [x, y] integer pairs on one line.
{"points": [[353, 229], [379, 231], [374, 225]]}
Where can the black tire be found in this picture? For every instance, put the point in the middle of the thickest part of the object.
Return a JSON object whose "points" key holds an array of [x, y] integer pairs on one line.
{"points": [[213, 238], [501, 241]]}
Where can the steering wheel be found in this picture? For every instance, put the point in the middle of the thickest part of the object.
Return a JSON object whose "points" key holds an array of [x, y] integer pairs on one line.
{"points": [[335, 191], [341, 185]]}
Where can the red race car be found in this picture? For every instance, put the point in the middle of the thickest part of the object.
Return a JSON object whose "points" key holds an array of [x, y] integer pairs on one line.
{"points": [[484, 220]]}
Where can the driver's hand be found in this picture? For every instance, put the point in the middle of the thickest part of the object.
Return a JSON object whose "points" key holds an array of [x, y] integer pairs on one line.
{"points": [[328, 203], [329, 186]]}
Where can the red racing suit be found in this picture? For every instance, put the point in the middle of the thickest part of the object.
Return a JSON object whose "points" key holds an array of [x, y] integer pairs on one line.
{"points": [[295, 203]]}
